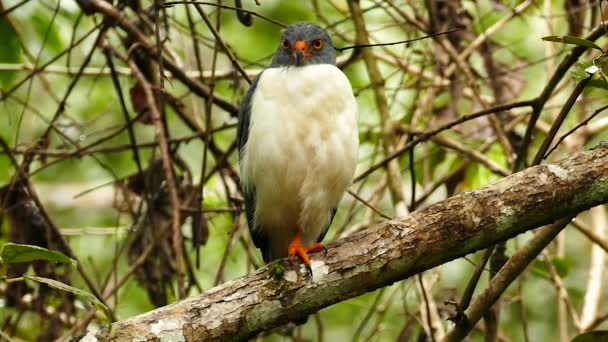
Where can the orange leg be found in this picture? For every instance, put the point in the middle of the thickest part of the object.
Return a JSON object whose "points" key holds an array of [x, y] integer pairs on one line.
{"points": [[295, 247]]}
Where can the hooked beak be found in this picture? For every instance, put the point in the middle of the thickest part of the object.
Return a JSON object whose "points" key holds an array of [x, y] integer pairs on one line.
{"points": [[299, 57], [300, 51]]}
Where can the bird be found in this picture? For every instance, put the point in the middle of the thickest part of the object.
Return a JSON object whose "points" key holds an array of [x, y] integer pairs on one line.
{"points": [[298, 145]]}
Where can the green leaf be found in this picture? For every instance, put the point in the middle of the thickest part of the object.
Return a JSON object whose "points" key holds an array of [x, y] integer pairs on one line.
{"points": [[562, 266], [578, 71], [78, 292], [602, 62], [48, 32], [573, 40], [594, 336], [13, 253], [10, 51], [540, 268], [601, 83]]}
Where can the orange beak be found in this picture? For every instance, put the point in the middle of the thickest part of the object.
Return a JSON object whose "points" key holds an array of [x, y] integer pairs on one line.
{"points": [[300, 51], [300, 45]]}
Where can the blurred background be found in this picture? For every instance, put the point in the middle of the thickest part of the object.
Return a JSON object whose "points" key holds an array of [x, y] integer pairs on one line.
{"points": [[81, 161]]}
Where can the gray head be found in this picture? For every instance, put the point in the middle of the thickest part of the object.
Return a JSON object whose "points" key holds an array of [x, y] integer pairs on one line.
{"points": [[304, 44]]}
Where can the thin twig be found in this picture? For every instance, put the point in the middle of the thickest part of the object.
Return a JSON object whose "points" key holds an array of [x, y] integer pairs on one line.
{"points": [[590, 234], [407, 41], [539, 102], [575, 128], [426, 135], [559, 120], [168, 168], [513, 268], [173, 3]]}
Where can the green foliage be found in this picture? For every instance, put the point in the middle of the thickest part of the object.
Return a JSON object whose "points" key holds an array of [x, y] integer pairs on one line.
{"points": [[561, 265], [436, 157], [5, 166], [600, 83], [10, 52], [277, 271], [47, 31], [13, 253], [574, 41], [78, 292], [597, 69], [594, 336], [16, 253]]}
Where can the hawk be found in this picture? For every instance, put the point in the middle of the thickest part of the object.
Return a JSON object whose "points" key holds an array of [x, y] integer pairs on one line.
{"points": [[298, 141]]}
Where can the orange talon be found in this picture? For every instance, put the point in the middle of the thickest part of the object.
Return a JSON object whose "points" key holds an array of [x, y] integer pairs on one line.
{"points": [[295, 247]]}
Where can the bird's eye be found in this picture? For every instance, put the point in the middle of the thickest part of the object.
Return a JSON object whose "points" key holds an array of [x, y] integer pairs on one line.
{"points": [[285, 44], [317, 44]]}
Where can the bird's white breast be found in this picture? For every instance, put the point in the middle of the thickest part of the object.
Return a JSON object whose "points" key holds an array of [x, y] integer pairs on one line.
{"points": [[301, 151]]}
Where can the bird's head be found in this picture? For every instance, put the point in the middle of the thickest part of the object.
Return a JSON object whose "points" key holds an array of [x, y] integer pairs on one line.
{"points": [[304, 44]]}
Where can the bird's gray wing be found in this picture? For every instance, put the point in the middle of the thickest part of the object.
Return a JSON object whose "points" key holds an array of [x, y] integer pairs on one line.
{"points": [[324, 231], [242, 129], [258, 235]]}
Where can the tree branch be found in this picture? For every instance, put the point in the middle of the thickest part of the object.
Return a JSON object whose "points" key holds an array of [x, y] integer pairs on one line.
{"points": [[503, 278], [378, 257]]}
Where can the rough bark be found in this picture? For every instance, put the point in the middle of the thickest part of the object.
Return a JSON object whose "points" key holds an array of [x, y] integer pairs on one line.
{"points": [[378, 257]]}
